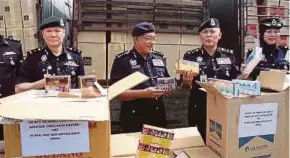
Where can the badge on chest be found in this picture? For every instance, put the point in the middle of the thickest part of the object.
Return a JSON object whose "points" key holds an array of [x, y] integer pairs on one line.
{"points": [[134, 64], [223, 61], [158, 62]]}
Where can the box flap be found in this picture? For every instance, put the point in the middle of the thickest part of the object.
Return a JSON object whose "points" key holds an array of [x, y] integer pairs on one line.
{"points": [[126, 144], [275, 80], [125, 84], [32, 106], [211, 88], [203, 152]]}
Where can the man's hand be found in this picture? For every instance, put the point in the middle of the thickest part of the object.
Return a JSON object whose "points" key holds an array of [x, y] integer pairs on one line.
{"points": [[152, 92], [187, 77]]}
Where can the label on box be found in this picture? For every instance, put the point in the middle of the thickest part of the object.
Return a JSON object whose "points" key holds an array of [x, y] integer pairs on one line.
{"points": [[55, 84], [166, 83], [145, 151], [87, 81], [54, 137], [185, 65], [215, 136], [257, 120]]}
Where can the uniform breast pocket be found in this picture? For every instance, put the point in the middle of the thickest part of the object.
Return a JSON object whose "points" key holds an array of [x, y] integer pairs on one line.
{"points": [[226, 69], [160, 71], [10, 59]]}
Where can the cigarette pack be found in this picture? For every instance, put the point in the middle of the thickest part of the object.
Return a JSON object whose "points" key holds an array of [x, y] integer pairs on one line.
{"points": [[185, 65]]}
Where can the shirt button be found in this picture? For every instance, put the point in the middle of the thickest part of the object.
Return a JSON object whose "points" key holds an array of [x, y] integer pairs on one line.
{"points": [[271, 55], [212, 59], [273, 64], [157, 108], [58, 69], [0, 85], [133, 111], [57, 59], [215, 77]]}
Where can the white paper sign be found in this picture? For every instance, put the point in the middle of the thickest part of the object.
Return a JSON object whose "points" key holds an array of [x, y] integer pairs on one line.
{"points": [[54, 137], [258, 119]]}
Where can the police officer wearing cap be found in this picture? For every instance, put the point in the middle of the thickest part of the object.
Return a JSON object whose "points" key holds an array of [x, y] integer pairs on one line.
{"points": [[53, 59], [142, 104], [274, 55], [214, 62], [11, 58]]}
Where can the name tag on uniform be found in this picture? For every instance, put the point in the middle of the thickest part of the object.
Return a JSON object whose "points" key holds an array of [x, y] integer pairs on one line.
{"points": [[157, 62], [71, 63], [9, 53], [223, 61]]}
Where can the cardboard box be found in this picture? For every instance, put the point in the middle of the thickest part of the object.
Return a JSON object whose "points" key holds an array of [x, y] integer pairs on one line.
{"points": [[199, 152], [118, 37], [113, 50], [123, 145], [29, 13], [245, 126], [34, 107], [30, 38], [94, 56], [12, 14], [190, 39], [171, 53], [280, 78], [92, 36], [168, 38], [285, 142]]}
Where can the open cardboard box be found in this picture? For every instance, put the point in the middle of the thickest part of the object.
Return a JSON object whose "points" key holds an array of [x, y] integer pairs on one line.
{"points": [[29, 106], [246, 126], [125, 145], [277, 80]]}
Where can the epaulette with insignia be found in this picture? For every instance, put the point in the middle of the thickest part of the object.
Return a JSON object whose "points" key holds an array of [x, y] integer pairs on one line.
{"points": [[12, 39], [122, 54], [192, 51], [230, 51], [33, 51], [79, 52], [158, 53]]}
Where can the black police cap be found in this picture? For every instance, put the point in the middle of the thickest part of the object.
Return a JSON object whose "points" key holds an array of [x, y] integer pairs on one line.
{"points": [[142, 28], [210, 23], [53, 21], [270, 23]]}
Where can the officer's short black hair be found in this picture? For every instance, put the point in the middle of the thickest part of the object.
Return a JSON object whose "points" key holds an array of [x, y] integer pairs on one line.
{"points": [[270, 23], [53, 21], [142, 28], [209, 23]]}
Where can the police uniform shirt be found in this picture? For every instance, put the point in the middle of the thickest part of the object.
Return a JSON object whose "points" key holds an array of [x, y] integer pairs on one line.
{"points": [[220, 65], [41, 61], [11, 58], [136, 112], [273, 59]]}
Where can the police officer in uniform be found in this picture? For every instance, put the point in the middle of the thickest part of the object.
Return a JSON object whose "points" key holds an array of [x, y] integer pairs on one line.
{"points": [[53, 59], [274, 55], [11, 58], [142, 104], [214, 62]]}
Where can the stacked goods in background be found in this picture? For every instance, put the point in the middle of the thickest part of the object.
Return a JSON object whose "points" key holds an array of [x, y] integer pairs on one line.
{"points": [[18, 19], [102, 29], [257, 10], [176, 24]]}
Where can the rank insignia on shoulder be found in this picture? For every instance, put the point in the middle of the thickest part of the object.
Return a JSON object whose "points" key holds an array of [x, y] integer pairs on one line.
{"points": [[158, 53], [12, 39], [79, 52], [122, 54]]}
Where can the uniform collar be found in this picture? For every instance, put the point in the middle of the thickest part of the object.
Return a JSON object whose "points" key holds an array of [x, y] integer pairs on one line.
{"points": [[49, 53], [139, 56], [216, 54]]}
